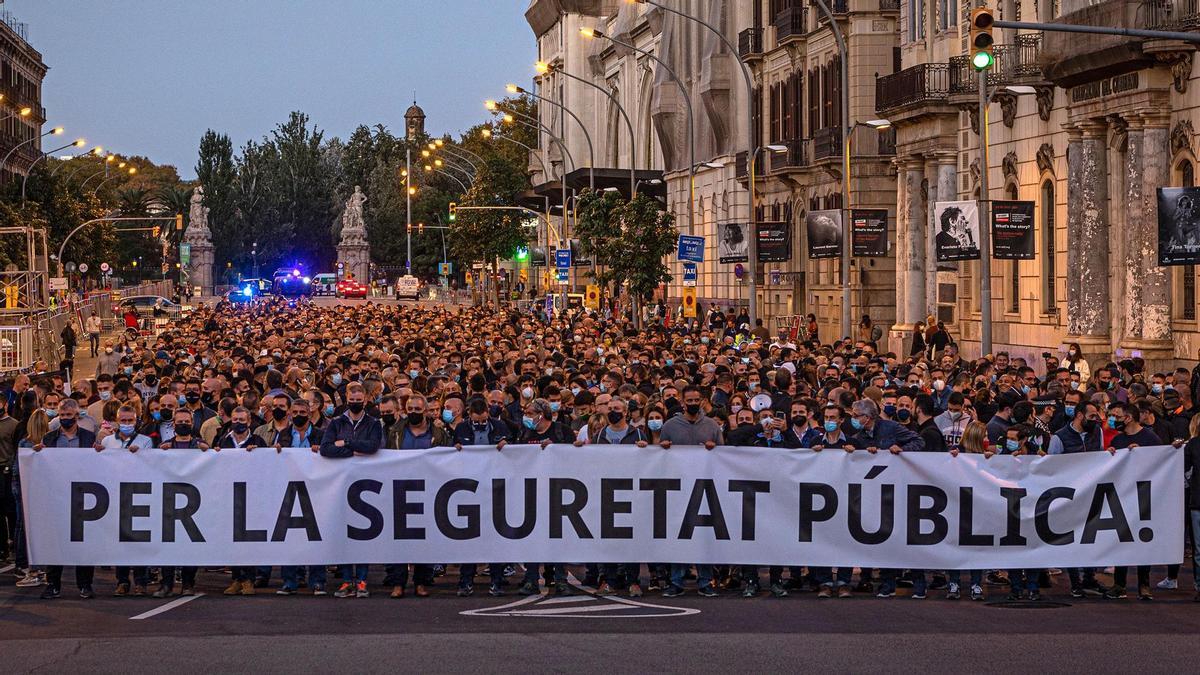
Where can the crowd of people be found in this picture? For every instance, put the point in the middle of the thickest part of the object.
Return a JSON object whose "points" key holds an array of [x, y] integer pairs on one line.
{"points": [[346, 381]]}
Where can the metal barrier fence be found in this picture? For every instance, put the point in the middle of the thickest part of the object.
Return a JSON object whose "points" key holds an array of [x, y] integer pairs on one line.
{"points": [[16, 345]]}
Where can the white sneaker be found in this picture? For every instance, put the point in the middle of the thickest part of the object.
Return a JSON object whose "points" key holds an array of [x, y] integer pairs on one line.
{"points": [[31, 580], [1168, 584]]}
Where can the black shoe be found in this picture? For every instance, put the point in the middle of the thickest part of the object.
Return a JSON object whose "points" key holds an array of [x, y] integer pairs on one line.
{"points": [[51, 593], [1035, 595], [561, 588], [465, 591], [672, 591], [864, 586], [495, 591], [995, 579], [261, 582], [87, 593], [1076, 592], [778, 590], [529, 588], [1014, 596], [750, 591], [707, 591], [937, 583]]}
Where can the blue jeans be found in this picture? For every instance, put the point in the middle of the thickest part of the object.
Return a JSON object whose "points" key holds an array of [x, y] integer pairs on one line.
{"points": [[291, 576], [1030, 580], [703, 575], [263, 573], [1195, 514], [956, 577], [466, 574], [20, 552], [353, 573], [824, 575], [888, 577], [614, 571], [558, 571]]}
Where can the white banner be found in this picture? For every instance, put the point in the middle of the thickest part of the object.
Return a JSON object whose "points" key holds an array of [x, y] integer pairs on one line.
{"points": [[604, 503]]}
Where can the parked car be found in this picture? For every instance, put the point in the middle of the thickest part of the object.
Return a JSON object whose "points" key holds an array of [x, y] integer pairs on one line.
{"points": [[147, 305], [351, 288], [324, 284], [249, 290], [290, 283], [408, 286]]}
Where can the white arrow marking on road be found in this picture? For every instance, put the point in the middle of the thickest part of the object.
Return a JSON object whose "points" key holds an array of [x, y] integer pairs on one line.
{"points": [[612, 607]]}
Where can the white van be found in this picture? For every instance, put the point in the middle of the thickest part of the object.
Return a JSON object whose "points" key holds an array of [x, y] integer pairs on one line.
{"points": [[324, 284], [408, 286]]}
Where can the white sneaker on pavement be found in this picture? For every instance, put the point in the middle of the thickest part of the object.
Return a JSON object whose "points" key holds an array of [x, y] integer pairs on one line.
{"points": [[1168, 584]]}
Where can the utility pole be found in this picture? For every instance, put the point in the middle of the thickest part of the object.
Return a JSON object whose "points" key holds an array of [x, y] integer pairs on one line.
{"points": [[408, 188]]}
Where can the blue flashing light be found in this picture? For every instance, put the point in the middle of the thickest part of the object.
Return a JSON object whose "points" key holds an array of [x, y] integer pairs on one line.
{"points": [[248, 291]]}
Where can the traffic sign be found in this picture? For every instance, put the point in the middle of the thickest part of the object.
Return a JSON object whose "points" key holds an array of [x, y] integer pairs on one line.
{"points": [[689, 303], [341, 265], [563, 277], [58, 283], [562, 258], [104, 267], [592, 298], [70, 267], [739, 271], [445, 269], [691, 248], [83, 268], [689, 274]]}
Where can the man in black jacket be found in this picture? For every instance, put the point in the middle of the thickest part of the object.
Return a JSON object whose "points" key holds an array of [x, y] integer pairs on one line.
{"points": [[240, 436], [68, 435]]}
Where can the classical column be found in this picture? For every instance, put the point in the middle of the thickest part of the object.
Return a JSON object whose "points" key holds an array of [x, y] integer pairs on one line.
{"points": [[1087, 245], [1146, 301], [915, 263]]}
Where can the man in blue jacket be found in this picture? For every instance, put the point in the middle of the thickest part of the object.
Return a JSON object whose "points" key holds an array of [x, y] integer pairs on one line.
{"points": [[354, 433]]}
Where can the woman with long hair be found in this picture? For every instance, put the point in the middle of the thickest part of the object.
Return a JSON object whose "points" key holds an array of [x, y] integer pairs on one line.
{"points": [[36, 427]]}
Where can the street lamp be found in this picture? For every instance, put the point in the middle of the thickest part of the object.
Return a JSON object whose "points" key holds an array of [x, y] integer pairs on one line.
{"points": [[487, 133], [77, 144], [591, 33], [544, 68], [56, 131], [514, 89], [97, 151], [96, 191], [23, 112], [533, 123]]}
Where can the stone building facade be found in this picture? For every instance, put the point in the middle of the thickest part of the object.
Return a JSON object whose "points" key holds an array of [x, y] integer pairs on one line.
{"points": [[782, 42], [21, 73], [1093, 126]]}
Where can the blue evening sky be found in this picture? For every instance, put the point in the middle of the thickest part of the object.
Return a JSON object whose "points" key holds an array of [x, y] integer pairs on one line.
{"points": [[148, 77]]}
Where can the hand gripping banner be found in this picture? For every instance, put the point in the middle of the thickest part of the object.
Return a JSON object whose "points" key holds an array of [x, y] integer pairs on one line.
{"points": [[604, 503]]}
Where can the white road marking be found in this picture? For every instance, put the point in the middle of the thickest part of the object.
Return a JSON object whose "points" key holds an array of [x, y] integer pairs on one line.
{"points": [[178, 602], [570, 610], [613, 607], [569, 598]]}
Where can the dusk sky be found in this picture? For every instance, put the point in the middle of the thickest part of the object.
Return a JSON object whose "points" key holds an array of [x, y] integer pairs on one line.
{"points": [[148, 77]]}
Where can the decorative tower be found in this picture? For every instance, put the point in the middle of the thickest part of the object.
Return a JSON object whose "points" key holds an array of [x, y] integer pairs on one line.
{"points": [[414, 122]]}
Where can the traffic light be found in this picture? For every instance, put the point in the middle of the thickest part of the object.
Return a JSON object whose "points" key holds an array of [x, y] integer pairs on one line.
{"points": [[522, 254], [179, 221], [420, 228], [155, 231], [981, 38], [453, 212]]}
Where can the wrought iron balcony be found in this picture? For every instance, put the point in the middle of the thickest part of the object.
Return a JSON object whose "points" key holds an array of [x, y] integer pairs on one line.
{"points": [[795, 157], [1177, 15], [1015, 63], [791, 23], [750, 43], [927, 82], [827, 143], [889, 5]]}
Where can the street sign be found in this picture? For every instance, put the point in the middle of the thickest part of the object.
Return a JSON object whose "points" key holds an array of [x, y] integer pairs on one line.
{"points": [[739, 271], [104, 267], [341, 265], [691, 248], [58, 283], [562, 258], [69, 267], [689, 274], [185, 254], [689, 303], [591, 299], [445, 269], [563, 277], [83, 268]]}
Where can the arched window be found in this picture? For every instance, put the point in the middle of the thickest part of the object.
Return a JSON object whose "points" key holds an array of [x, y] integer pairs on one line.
{"points": [[1049, 302]]}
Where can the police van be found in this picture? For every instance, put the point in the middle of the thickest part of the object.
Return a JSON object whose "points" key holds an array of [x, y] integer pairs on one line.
{"points": [[408, 286]]}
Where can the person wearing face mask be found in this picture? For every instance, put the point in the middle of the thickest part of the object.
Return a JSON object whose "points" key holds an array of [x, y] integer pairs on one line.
{"points": [[185, 438], [108, 361], [1075, 363], [68, 435], [240, 436], [389, 408], [1082, 434], [538, 427], [126, 437], [1127, 420], [619, 432], [276, 431]]}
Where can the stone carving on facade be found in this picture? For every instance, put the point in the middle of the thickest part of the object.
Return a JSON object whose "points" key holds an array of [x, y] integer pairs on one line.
{"points": [[1120, 134], [973, 113], [974, 169], [198, 237], [1008, 165], [925, 190], [1181, 68], [1008, 108], [1045, 101], [1045, 158], [1181, 136]]}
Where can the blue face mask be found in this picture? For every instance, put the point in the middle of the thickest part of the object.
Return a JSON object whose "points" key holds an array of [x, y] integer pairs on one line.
{"points": [[156, 415], [669, 362], [1112, 422], [554, 406], [414, 373], [126, 429], [50, 412], [528, 422], [903, 415], [336, 379], [329, 411], [182, 400], [654, 425], [856, 424], [1069, 410], [831, 426], [1011, 445], [889, 410], [1024, 389], [1157, 388], [704, 340], [575, 391], [447, 416], [128, 370]]}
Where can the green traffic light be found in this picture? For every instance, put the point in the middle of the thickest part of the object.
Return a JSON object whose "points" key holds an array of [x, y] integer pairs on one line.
{"points": [[522, 254], [982, 60]]}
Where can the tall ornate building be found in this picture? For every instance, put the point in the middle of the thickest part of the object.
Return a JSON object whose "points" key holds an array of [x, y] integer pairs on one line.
{"points": [[792, 56], [21, 74], [1094, 126]]}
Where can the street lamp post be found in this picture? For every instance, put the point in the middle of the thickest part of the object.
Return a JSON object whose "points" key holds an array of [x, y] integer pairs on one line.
{"points": [[53, 132], [94, 151], [691, 121], [512, 88], [488, 134], [453, 153], [447, 174], [79, 144], [543, 67]]}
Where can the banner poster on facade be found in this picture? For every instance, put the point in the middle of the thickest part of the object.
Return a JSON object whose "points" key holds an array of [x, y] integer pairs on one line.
{"points": [[774, 241], [1012, 230], [578, 259], [734, 243], [957, 231], [604, 504], [868, 233], [1179, 226], [824, 233]]}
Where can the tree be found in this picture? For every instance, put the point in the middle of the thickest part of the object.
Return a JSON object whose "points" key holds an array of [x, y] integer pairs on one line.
{"points": [[648, 236], [599, 233], [491, 235]]}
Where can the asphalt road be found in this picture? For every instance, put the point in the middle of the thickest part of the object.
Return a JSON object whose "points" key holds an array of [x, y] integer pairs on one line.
{"points": [[583, 633]]}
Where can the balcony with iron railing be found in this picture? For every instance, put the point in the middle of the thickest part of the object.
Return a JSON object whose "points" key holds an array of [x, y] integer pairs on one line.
{"points": [[924, 83], [889, 5], [827, 143], [838, 7], [791, 24], [1016, 63], [795, 157], [750, 44], [865, 141], [1175, 15]]}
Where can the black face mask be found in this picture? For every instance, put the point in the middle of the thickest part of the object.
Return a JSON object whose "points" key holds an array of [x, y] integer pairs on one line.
{"points": [[278, 414], [692, 408], [356, 407], [416, 418], [191, 397], [479, 425], [183, 430], [615, 416], [799, 421], [66, 423], [300, 421], [388, 419], [1089, 426], [240, 427]]}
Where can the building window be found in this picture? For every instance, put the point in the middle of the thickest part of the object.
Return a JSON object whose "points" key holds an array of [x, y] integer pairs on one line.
{"points": [[916, 20], [1049, 303]]}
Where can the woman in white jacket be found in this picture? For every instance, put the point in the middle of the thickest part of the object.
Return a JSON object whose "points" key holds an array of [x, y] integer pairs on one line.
{"points": [[1077, 364]]}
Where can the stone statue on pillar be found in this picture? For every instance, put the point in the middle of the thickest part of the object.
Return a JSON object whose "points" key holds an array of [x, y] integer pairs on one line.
{"points": [[354, 252], [199, 239]]}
